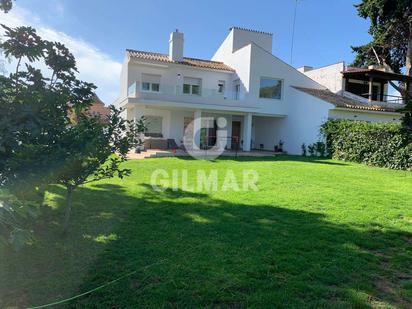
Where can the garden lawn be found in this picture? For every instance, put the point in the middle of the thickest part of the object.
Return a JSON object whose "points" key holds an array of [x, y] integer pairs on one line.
{"points": [[317, 233]]}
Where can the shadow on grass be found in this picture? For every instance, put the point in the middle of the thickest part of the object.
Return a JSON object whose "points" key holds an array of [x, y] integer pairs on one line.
{"points": [[214, 253], [271, 158], [207, 253]]}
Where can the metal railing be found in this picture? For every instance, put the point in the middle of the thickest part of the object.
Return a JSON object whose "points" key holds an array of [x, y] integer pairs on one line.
{"points": [[387, 98]]}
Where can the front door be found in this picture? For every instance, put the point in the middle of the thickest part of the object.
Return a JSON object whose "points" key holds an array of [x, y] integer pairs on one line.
{"points": [[235, 134]]}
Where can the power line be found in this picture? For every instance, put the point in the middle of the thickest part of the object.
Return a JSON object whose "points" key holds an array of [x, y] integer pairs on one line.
{"points": [[293, 32]]}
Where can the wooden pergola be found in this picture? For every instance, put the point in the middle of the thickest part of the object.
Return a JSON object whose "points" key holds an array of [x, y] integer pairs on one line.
{"points": [[372, 76]]}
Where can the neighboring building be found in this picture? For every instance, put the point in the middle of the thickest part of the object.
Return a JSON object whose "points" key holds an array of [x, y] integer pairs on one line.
{"points": [[263, 99], [98, 108]]}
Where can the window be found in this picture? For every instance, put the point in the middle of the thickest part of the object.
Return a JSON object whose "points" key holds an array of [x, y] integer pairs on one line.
{"points": [[146, 86], [191, 85], [236, 89], [221, 86], [150, 82], [270, 88], [154, 126]]}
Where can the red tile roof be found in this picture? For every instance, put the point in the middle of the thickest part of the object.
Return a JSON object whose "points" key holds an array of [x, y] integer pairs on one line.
{"points": [[200, 63]]}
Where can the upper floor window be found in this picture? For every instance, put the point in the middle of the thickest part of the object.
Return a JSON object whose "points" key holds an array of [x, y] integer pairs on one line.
{"points": [[236, 89], [270, 88], [191, 85], [150, 82], [221, 86]]}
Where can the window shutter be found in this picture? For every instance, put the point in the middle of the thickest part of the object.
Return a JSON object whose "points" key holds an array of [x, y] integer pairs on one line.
{"points": [[150, 78]]}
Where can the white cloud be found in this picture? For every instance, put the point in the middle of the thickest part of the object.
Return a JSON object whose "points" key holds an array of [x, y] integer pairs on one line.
{"points": [[93, 65]]}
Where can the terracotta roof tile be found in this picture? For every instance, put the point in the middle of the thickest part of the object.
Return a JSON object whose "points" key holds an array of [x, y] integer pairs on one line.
{"points": [[200, 63], [345, 102]]}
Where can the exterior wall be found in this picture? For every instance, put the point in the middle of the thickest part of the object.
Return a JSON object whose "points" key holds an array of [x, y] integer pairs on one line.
{"points": [[264, 64], [267, 131], [240, 60], [123, 81], [225, 50], [365, 115], [177, 125], [329, 76], [170, 78], [238, 38], [306, 114], [243, 37]]}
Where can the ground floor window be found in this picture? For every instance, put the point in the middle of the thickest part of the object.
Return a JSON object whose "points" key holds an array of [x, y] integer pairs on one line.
{"points": [[154, 126]]}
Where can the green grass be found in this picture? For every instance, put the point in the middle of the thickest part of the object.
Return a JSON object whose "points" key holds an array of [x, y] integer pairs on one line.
{"points": [[318, 233]]}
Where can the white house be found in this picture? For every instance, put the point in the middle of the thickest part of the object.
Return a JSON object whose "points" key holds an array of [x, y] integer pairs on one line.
{"points": [[264, 100]]}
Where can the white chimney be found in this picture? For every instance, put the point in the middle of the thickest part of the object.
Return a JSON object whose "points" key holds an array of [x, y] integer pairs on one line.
{"points": [[176, 46]]}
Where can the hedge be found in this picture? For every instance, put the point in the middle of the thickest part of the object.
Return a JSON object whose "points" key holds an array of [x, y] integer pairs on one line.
{"points": [[377, 144]]}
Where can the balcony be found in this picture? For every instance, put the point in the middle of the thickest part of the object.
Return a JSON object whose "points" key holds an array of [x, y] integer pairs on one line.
{"points": [[173, 95], [388, 100], [370, 85], [166, 90]]}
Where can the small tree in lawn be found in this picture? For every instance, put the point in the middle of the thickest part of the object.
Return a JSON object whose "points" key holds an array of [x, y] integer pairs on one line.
{"points": [[93, 149], [39, 142], [34, 109]]}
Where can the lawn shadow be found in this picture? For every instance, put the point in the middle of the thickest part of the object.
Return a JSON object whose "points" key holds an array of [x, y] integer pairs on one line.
{"points": [[213, 253], [271, 158]]}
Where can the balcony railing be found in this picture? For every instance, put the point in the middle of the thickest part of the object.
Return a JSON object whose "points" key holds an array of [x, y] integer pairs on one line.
{"points": [[177, 90], [389, 100]]}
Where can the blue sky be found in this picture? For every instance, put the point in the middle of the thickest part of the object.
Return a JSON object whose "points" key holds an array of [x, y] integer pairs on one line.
{"points": [[100, 30]]}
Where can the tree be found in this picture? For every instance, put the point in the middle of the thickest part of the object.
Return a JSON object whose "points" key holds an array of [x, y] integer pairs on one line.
{"points": [[39, 141], [391, 45], [6, 5], [391, 31], [93, 149], [34, 109]]}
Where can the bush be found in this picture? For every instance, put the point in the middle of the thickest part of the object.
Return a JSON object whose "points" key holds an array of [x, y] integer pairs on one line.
{"points": [[376, 144]]}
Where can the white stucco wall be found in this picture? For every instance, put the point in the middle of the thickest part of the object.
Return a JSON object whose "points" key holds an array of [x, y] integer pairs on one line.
{"points": [[170, 77], [329, 76], [238, 38], [305, 116], [267, 131], [264, 64]]}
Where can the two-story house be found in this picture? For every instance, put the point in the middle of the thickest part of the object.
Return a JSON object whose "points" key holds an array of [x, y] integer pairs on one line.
{"points": [[262, 99]]}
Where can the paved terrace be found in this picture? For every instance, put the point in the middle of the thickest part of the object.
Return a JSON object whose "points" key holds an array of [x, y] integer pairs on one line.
{"points": [[158, 153]]}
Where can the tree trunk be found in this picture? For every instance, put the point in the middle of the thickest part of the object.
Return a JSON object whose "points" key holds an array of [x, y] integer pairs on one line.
{"points": [[69, 201]]}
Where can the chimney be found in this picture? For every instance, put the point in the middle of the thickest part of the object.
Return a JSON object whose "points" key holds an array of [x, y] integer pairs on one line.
{"points": [[176, 46]]}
